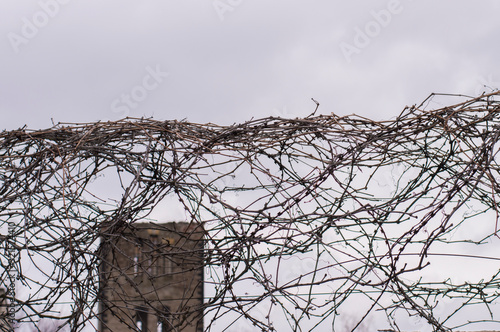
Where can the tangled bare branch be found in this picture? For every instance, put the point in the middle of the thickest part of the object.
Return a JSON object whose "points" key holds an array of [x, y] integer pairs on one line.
{"points": [[296, 219]]}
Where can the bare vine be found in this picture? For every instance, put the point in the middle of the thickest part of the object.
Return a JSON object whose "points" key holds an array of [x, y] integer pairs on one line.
{"points": [[301, 215]]}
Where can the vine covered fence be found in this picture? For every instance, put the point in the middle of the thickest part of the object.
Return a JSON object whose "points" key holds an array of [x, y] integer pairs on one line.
{"points": [[305, 221]]}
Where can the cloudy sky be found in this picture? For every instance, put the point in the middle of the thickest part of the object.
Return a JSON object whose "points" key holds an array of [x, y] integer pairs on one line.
{"points": [[227, 61]]}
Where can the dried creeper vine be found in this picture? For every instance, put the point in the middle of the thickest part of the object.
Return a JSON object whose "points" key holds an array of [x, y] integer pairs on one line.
{"points": [[298, 217]]}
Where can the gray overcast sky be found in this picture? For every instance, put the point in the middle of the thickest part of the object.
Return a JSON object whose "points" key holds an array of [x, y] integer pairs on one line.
{"points": [[230, 60]]}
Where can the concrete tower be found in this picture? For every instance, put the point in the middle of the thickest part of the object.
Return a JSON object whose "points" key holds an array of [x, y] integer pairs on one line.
{"points": [[152, 278]]}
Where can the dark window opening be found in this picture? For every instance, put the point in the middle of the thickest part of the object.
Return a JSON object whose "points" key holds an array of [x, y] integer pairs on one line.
{"points": [[141, 319], [136, 260], [165, 321]]}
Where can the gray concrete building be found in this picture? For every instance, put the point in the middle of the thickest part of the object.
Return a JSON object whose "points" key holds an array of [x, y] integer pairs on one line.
{"points": [[152, 278]]}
